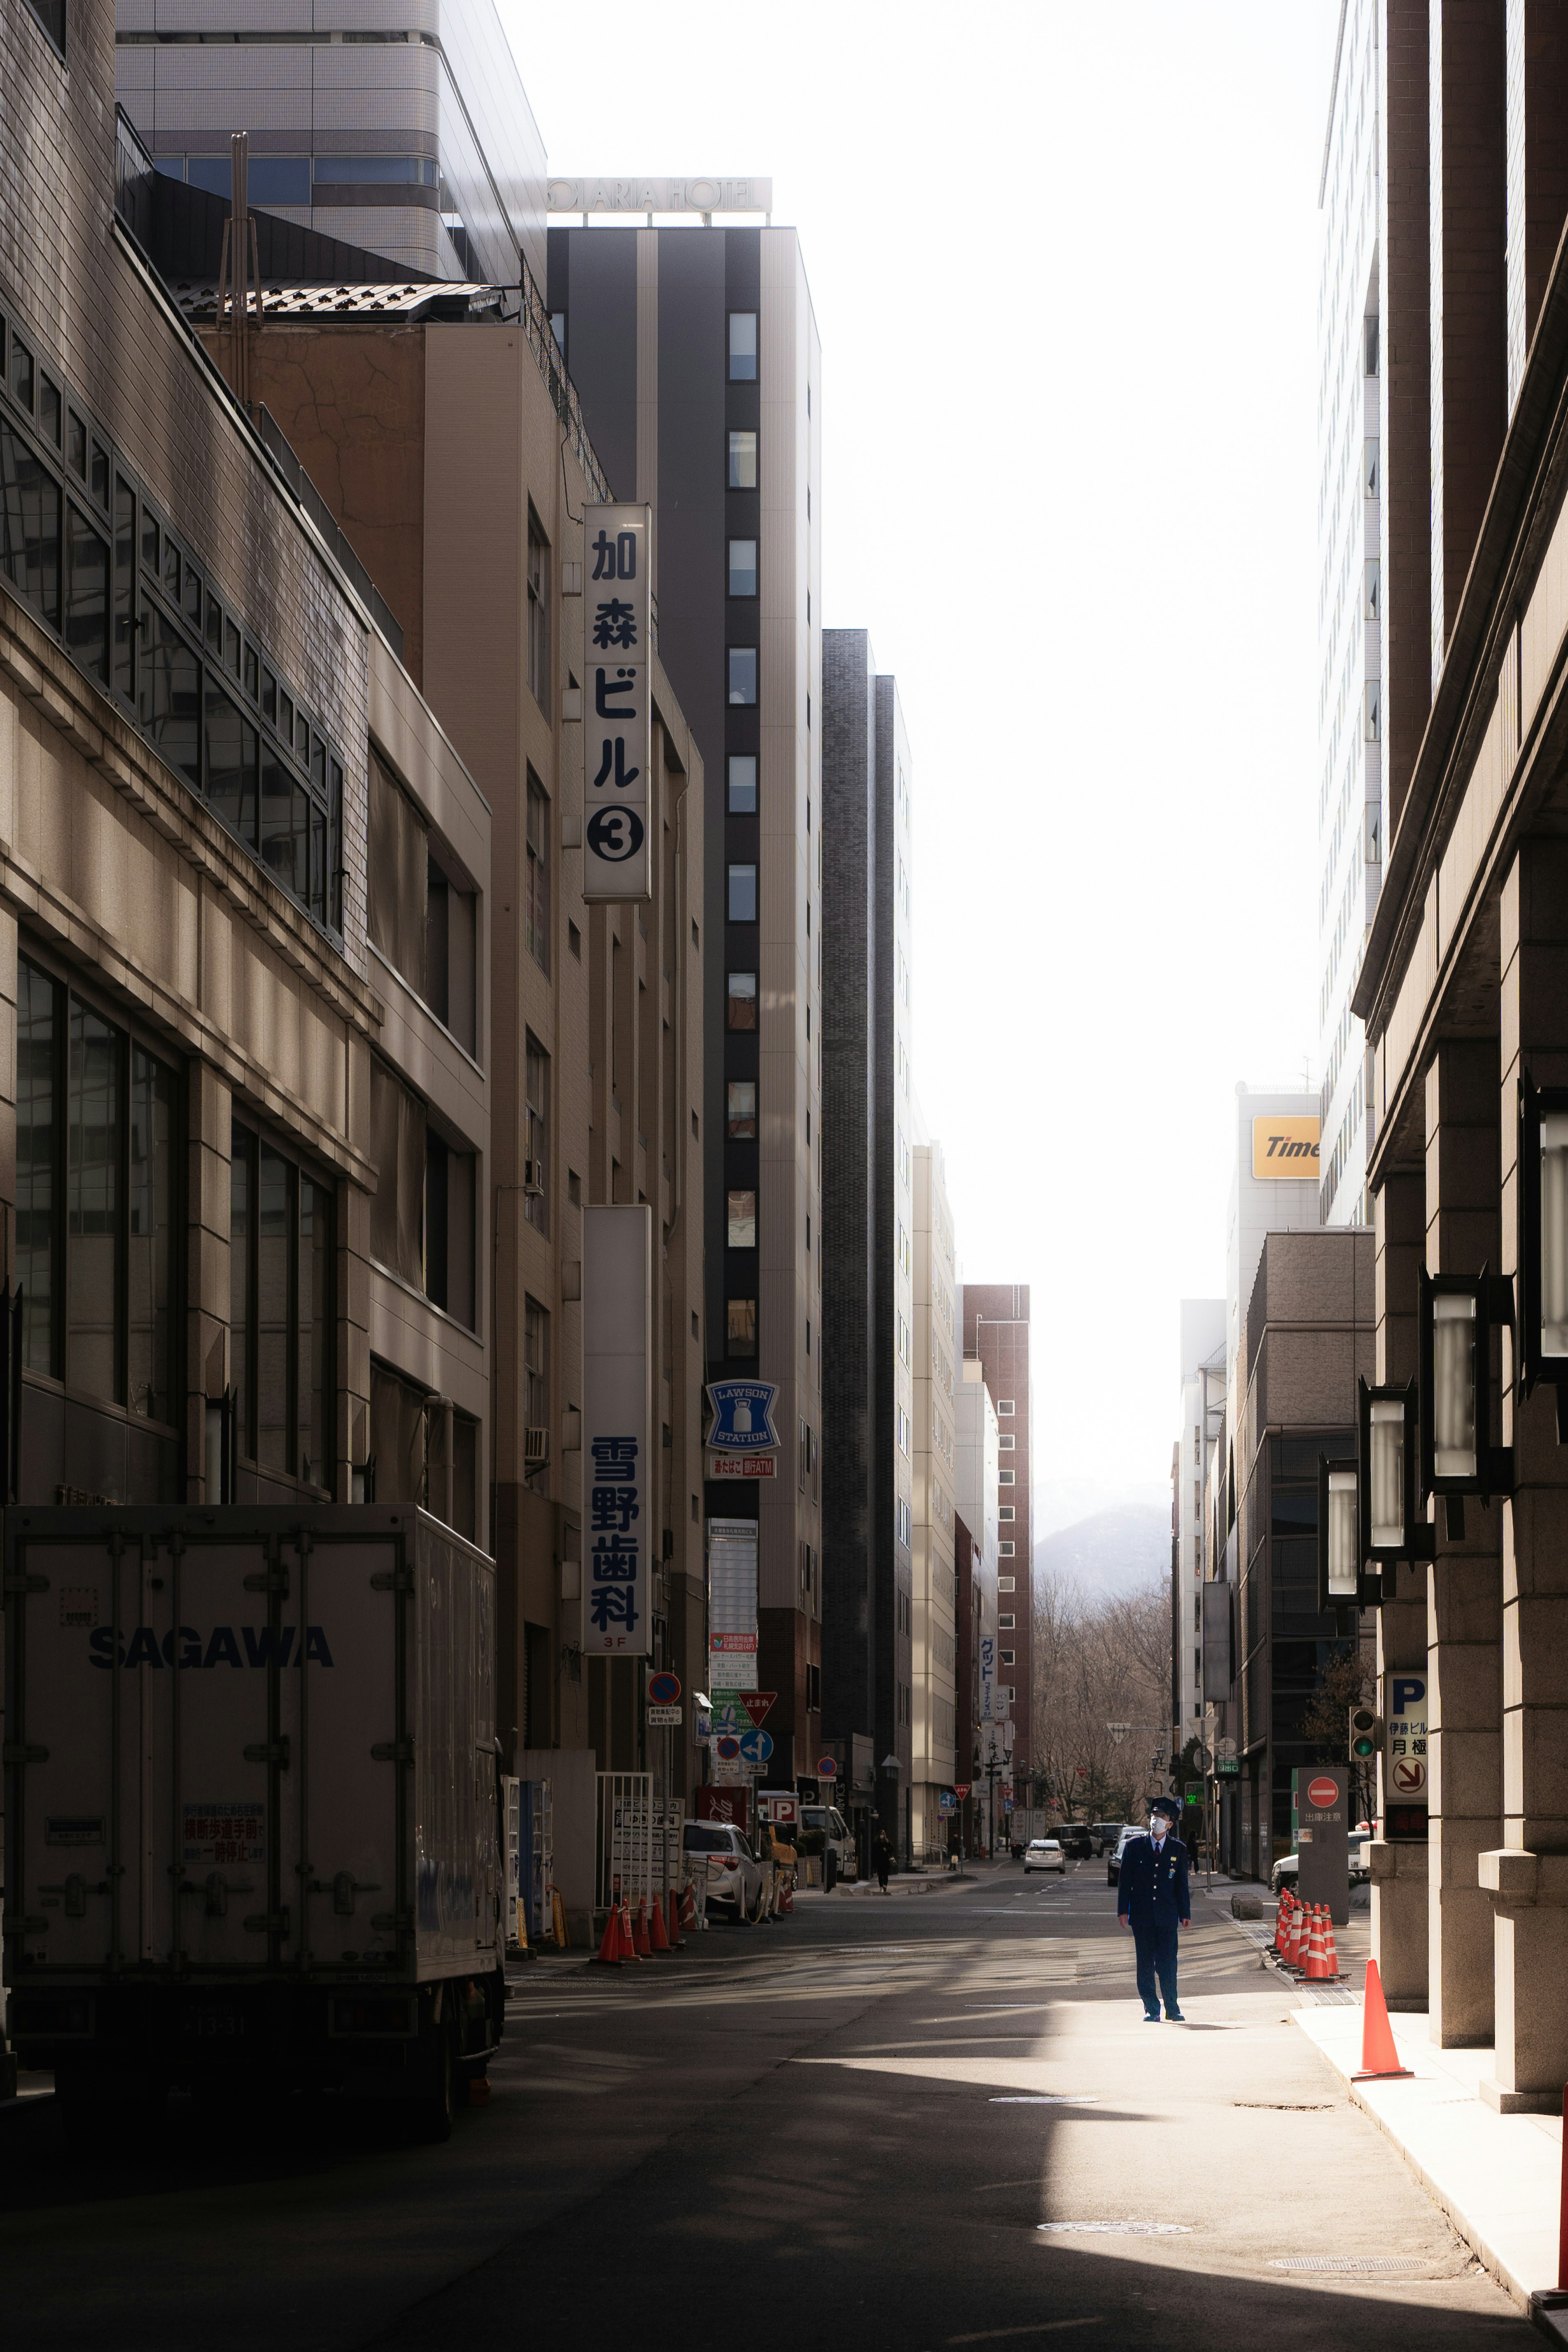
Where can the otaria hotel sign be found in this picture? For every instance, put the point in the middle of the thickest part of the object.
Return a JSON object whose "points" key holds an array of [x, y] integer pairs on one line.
{"points": [[1286, 1149], [610, 193]]}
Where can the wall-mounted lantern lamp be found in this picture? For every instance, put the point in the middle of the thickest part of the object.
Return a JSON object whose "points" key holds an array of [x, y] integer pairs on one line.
{"points": [[1543, 1242], [1388, 1436], [1339, 1541], [1456, 1395]]}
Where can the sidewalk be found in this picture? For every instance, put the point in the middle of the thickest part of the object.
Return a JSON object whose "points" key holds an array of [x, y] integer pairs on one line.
{"points": [[1497, 2177], [911, 1885]]}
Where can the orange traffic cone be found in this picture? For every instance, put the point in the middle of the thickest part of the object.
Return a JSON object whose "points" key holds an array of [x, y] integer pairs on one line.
{"points": [[610, 1950], [628, 1944], [1300, 1936], [657, 1941], [1330, 1956], [1317, 1967], [1379, 2057], [639, 1932], [1282, 1924]]}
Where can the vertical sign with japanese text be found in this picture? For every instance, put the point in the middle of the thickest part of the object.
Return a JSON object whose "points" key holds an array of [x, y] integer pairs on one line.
{"points": [[620, 1495], [617, 702]]}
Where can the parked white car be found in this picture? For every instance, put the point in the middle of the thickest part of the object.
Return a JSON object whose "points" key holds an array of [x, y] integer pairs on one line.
{"points": [[735, 1877], [1287, 1870], [1044, 1853]]}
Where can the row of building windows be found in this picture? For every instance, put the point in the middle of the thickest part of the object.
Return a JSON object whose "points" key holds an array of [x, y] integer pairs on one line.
{"points": [[287, 179], [83, 548]]}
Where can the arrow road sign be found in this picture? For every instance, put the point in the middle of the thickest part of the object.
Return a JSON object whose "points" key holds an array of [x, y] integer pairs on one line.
{"points": [[757, 1703], [756, 1747]]}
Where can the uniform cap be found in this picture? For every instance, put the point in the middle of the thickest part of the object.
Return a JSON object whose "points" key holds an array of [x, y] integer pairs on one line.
{"points": [[1168, 1806]]}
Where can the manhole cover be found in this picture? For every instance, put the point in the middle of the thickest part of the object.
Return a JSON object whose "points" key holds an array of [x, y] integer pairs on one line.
{"points": [[1392, 2264], [1118, 2229]]}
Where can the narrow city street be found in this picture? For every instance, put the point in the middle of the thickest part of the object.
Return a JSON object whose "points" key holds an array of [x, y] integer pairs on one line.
{"points": [[846, 2127]]}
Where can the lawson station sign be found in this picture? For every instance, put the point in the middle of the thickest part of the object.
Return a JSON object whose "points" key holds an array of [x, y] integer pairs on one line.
{"points": [[742, 1442]]}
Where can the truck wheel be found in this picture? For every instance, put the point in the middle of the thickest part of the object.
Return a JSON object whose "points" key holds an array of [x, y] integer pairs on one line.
{"points": [[433, 2109]]}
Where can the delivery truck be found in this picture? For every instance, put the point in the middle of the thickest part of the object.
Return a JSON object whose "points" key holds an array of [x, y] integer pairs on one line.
{"points": [[252, 1841]]}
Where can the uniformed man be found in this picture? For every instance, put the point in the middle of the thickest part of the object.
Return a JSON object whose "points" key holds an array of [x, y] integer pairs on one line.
{"points": [[1154, 1901]]}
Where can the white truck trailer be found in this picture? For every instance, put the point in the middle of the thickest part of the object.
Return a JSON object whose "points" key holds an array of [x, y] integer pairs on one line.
{"points": [[251, 1826]]}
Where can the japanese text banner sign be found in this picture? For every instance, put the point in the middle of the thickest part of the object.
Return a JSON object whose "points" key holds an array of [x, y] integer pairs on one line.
{"points": [[620, 1498], [618, 702]]}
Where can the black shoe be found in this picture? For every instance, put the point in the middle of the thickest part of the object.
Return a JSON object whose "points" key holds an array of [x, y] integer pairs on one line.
{"points": [[1175, 2017], [1151, 2017]]}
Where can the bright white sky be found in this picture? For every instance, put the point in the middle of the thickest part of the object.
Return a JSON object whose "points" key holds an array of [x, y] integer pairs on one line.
{"points": [[1063, 262]]}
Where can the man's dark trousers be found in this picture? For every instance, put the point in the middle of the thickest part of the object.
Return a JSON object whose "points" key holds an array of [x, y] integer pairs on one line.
{"points": [[1154, 1942]]}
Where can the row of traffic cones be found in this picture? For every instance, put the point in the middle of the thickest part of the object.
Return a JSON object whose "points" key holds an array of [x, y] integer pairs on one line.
{"points": [[1304, 1939], [625, 1939], [1379, 2053]]}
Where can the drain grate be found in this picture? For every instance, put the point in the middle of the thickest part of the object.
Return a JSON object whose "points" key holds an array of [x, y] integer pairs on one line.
{"points": [[1117, 2229], [1393, 2266]]}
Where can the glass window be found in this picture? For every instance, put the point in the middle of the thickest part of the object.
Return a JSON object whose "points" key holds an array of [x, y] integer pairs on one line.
{"points": [[742, 902], [743, 662], [98, 475], [93, 1212], [37, 1162], [214, 626], [538, 612], [536, 1141], [232, 746], [285, 807], [49, 409], [278, 180], [124, 588], [537, 907], [51, 16], [740, 1231], [76, 444], [743, 1000], [742, 783], [171, 698], [741, 1325], [252, 673], [151, 1242], [742, 461], [397, 1127], [741, 1111], [1374, 605], [212, 172], [742, 347], [30, 527], [535, 1364], [743, 567], [280, 1312], [231, 647], [87, 594], [22, 376], [390, 170], [558, 329], [400, 875]]}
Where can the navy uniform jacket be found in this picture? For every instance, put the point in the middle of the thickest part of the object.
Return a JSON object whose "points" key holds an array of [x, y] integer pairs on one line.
{"points": [[1150, 1895]]}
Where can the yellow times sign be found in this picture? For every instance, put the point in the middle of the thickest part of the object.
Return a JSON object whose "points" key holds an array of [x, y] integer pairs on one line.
{"points": [[1285, 1148]]}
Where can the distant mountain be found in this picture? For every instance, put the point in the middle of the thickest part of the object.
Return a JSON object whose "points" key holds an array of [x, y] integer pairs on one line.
{"points": [[1123, 1550], [1064, 1502]]}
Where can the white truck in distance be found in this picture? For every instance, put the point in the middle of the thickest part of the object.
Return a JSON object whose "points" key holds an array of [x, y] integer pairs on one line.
{"points": [[251, 1828]]}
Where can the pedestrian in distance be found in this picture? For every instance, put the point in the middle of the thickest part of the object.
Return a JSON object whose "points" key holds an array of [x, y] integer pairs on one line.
{"points": [[882, 1858], [1154, 1901]]}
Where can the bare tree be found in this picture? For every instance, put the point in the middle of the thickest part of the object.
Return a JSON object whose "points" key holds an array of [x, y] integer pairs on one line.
{"points": [[1098, 1662]]}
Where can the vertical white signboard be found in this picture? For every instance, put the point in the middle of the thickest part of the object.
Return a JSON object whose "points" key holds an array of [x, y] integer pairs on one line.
{"points": [[620, 1495], [617, 702]]}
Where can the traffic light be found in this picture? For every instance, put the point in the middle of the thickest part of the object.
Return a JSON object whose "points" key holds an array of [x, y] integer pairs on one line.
{"points": [[1365, 1735]]}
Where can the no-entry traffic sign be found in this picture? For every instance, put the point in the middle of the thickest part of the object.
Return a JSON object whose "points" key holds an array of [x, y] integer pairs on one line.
{"points": [[1323, 1792]]}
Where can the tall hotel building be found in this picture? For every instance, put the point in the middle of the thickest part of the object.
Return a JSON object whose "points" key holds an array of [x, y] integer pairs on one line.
{"points": [[694, 349], [996, 1336], [871, 1238], [1352, 441]]}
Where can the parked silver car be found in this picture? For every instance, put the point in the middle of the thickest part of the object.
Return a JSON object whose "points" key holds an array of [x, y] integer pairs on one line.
{"points": [[735, 1878]]}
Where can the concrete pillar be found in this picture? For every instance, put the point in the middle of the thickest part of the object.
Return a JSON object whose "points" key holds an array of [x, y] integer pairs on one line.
{"points": [[1399, 1870], [1526, 1875], [1464, 1608]]}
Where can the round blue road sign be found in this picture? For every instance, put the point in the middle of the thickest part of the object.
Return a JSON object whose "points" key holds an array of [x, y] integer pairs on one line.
{"points": [[756, 1747]]}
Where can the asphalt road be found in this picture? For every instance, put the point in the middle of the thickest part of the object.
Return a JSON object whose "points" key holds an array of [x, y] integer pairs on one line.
{"points": [[846, 2129]]}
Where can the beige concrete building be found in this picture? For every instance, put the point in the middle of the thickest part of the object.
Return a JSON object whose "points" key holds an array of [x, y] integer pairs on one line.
{"points": [[437, 442], [934, 1630], [202, 1044]]}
